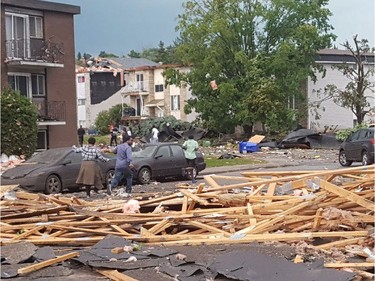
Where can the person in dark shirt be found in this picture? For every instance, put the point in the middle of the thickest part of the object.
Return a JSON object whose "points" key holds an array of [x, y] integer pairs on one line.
{"points": [[114, 133], [123, 166], [81, 132]]}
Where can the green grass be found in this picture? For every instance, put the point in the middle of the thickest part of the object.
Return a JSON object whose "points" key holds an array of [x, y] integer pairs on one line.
{"points": [[99, 139], [215, 162]]}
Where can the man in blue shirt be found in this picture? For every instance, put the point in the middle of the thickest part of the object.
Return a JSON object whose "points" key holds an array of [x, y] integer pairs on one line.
{"points": [[123, 166]]}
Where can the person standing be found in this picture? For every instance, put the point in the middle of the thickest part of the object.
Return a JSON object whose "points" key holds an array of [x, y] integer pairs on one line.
{"points": [[154, 135], [81, 132], [114, 132], [90, 173], [190, 147], [123, 166]]}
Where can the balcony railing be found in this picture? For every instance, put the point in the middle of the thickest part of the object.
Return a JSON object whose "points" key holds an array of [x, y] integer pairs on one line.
{"points": [[34, 50], [135, 86], [50, 110]]}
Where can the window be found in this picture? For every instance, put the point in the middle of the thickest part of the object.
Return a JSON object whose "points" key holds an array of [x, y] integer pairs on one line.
{"points": [[36, 27], [175, 103], [81, 79], [164, 151], [177, 151], [159, 88], [20, 82], [103, 83], [140, 82], [42, 140], [81, 101], [38, 85]]}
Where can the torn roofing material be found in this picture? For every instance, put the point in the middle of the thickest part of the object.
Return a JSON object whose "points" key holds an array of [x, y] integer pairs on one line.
{"points": [[248, 265]]}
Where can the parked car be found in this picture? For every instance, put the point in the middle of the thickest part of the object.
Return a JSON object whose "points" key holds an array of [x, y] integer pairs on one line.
{"points": [[163, 160], [49, 171], [56, 169], [358, 147]]}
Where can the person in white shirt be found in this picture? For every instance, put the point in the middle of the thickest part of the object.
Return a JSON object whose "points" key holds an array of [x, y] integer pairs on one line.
{"points": [[155, 135]]}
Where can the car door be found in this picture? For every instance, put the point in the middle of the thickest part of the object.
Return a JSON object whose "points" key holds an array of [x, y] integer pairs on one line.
{"points": [[179, 161], [162, 162], [350, 146], [358, 144], [69, 171]]}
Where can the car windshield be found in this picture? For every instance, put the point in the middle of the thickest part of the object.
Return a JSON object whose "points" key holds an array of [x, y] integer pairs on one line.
{"points": [[48, 156], [145, 152]]}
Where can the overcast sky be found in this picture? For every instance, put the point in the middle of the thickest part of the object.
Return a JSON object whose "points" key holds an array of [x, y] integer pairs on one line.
{"points": [[118, 26]]}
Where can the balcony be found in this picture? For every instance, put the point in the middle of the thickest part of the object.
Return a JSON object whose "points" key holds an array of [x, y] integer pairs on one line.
{"points": [[135, 88], [50, 112], [34, 52]]}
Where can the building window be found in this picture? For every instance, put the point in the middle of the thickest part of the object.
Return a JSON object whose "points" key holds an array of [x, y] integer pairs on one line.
{"points": [[103, 83], [81, 79], [38, 85], [159, 88], [81, 101], [175, 103], [140, 82], [36, 27], [42, 140], [21, 83]]}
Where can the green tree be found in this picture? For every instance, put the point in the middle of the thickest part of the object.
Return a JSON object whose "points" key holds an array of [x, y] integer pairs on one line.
{"points": [[18, 124], [360, 89], [109, 117], [134, 54], [79, 56], [86, 56], [104, 54], [259, 53]]}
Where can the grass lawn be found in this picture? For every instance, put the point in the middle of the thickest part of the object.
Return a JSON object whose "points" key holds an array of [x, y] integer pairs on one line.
{"points": [[215, 162]]}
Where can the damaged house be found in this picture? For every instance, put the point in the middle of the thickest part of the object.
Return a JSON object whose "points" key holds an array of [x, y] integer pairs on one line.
{"points": [[329, 114], [134, 82], [37, 59]]}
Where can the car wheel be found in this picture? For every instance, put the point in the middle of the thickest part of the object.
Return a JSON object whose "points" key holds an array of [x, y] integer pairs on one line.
{"points": [[342, 159], [144, 175], [53, 185], [109, 176], [195, 174], [366, 160]]}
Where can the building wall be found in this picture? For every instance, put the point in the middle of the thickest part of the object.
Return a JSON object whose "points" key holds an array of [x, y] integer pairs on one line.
{"points": [[60, 82], [332, 115]]}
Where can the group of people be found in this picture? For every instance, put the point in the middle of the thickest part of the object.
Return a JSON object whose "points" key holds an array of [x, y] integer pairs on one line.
{"points": [[91, 177]]}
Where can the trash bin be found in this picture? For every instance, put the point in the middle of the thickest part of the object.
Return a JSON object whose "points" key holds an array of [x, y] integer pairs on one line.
{"points": [[245, 146]]}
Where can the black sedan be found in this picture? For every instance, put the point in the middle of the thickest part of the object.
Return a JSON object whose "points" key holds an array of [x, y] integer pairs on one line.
{"points": [[56, 169], [163, 160], [358, 147], [50, 171]]}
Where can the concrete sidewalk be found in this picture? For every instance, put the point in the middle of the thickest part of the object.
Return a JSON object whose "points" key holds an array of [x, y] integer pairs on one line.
{"points": [[274, 163]]}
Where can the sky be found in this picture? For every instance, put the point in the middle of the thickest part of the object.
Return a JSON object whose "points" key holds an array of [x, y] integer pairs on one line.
{"points": [[118, 26]]}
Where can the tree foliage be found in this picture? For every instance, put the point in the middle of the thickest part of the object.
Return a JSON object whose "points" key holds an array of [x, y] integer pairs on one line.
{"points": [[360, 88], [109, 117], [258, 52], [163, 54], [19, 127], [104, 54], [134, 54]]}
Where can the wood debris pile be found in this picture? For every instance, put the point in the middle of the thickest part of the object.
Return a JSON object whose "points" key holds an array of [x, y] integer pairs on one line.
{"points": [[336, 206]]}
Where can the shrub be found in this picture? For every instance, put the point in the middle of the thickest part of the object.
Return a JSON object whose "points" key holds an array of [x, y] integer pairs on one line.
{"points": [[19, 127], [343, 134]]}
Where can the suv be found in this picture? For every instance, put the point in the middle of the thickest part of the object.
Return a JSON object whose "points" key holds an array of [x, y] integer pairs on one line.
{"points": [[358, 147]]}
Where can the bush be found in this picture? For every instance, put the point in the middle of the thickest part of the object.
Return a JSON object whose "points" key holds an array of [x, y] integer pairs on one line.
{"points": [[19, 127], [109, 117], [342, 135]]}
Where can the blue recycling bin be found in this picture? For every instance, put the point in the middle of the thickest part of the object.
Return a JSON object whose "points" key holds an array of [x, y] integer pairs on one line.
{"points": [[245, 146]]}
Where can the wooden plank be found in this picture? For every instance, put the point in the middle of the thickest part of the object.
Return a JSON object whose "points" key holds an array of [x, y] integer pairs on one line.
{"points": [[350, 196], [211, 182], [184, 204], [43, 264], [271, 190], [349, 264], [194, 197], [250, 212], [340, 243], [115, 275], [318, 218], [199, 190], [29, 232], [209, 228]]}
